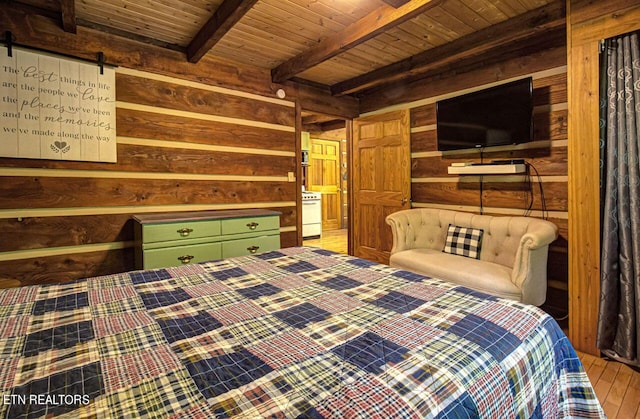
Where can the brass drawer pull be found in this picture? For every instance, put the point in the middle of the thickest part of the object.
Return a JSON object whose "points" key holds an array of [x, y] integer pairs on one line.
{"points": [[253, 249], [252, 225], [184, 232], [185, 259]]}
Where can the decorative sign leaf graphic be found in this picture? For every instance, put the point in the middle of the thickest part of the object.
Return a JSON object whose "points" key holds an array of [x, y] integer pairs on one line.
{"points": [[60, 146]]}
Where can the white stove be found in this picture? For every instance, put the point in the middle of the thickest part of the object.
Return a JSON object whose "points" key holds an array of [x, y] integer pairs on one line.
{"points": [[311, 196], [311, 214]]}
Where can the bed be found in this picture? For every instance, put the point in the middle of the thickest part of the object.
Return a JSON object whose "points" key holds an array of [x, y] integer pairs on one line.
{"points": [[298, 332]]}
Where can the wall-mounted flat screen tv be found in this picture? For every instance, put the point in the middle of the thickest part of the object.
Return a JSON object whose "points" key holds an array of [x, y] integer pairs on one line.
{"points": [[499, 115]]}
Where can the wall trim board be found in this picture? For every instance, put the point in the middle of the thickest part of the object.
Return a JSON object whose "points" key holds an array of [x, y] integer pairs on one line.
{"points": [[524, 146], [84, 248], [433, 99], [552, 107], [559, 249], [202, 116], [99, 174], [558, 284], [64, 250], [563, 215], [143, 91], [424, 128], [490, 179], [205, 147], [174, 128], [202, 86], [73, 211]]}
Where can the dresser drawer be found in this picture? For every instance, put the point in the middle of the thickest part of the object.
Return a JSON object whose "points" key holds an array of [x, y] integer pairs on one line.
{"points": [[181, 255], [250, 224], [184, 230], [250, 246]]}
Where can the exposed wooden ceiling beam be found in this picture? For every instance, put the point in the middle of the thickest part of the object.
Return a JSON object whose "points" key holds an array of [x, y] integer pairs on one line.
{"points": [[319, 100], [130, 35], [318, 128], [317, 118], [50, 12], [227, 15], [68, 11], [395, 3], [545, 18], [534, 45], [376, 22], [333, 125]]}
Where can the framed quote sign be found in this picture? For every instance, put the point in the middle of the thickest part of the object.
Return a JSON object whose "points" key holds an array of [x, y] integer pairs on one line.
{"points": [[56, 108]]}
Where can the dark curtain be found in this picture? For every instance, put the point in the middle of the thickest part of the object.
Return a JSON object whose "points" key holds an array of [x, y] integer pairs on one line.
{"points": [[619, 316]]}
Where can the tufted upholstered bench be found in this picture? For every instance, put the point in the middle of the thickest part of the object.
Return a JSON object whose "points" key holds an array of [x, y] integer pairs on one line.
{"points": [[512, 259]]}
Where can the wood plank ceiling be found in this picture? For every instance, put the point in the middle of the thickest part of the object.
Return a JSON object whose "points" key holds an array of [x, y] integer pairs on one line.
{"points": [[346, 46]]}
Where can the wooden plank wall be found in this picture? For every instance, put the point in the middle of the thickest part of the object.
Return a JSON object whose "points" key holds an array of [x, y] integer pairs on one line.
{"points": [[432, 186], [182, 145]]}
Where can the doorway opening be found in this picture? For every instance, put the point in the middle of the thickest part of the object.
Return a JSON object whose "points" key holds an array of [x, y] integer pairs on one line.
{"points": [[325, 195]]}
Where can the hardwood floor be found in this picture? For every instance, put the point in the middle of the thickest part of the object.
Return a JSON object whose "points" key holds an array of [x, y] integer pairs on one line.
{"points": [[617, 386], [335, 240]]}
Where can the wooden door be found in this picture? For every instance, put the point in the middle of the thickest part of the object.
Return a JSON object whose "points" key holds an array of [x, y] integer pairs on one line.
{"points": [[324, 177], [381, 180]]}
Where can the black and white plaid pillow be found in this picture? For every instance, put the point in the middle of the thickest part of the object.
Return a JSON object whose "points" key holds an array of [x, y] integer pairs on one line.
{"points": [[463, 241]]}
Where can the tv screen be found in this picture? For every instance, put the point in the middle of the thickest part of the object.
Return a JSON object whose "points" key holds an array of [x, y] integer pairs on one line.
{"points": [[499, 115]]}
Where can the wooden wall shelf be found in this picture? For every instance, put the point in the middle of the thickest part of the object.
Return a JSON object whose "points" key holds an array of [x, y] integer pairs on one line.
{"points": [[488, 169]]}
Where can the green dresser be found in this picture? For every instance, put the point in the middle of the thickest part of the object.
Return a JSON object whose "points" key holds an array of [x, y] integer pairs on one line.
{"points": [[180, 238]]}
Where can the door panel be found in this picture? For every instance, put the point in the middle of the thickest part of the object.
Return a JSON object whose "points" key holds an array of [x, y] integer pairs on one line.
{"points": [[367, 230], [393, 180], [324, 173], [381, 181], [330, 207], [367, 168]]}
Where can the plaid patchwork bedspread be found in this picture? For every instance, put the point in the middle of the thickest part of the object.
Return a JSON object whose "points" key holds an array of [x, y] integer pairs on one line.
{"points": [[299, 332]]}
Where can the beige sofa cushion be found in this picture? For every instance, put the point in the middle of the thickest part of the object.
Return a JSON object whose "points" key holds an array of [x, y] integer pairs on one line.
{"points": [[487, 277]]}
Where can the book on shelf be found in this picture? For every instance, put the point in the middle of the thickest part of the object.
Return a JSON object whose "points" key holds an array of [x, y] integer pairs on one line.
{"points": [[461, 164]]}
